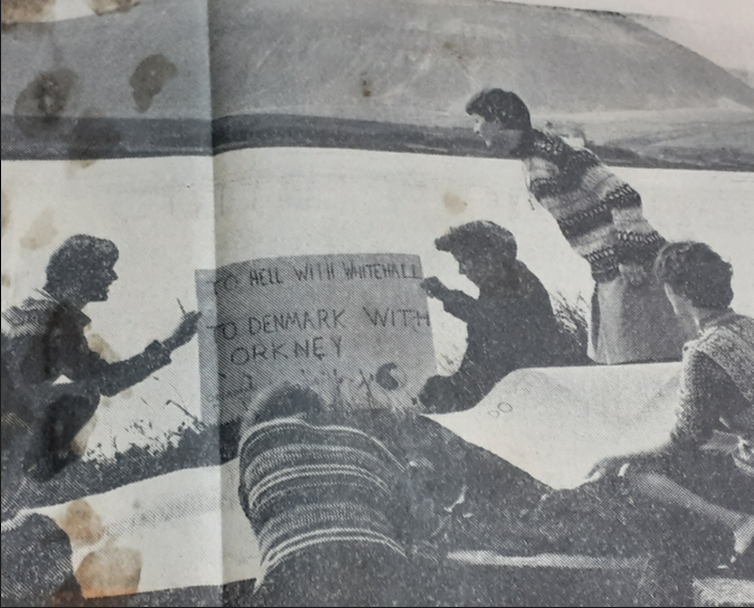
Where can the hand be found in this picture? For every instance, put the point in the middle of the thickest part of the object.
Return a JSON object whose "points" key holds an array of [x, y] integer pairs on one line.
{"points": [[635, 274], [433, 287], [613, 466], [186, 329]]}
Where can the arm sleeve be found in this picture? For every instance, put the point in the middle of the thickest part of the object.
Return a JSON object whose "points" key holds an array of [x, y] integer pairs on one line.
{"points": [[460, 305], [120, 375], [78, 362], [705, 389], [598, 213]]}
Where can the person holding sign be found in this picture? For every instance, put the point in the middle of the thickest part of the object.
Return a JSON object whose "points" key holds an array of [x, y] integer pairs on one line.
{"points": [[511, 325], [44, 341], [601, 217], [694, 471]]}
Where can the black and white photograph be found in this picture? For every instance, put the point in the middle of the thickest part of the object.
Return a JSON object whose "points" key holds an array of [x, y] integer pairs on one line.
{"points": [[377, 303]]}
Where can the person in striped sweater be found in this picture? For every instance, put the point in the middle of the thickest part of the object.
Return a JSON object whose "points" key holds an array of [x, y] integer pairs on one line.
{"points": [[601, 217], [344, 516]]}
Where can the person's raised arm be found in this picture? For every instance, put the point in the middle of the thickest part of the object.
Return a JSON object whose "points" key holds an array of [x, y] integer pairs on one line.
{"points": [[456, 302], [85, 365]]}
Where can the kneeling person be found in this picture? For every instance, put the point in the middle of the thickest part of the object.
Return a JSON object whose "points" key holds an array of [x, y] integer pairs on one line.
{"points": [[510, 326]]}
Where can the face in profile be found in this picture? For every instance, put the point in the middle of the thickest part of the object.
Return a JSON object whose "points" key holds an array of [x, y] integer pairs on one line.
{"points": [[476, 269], [97, 284], [496, 136]]}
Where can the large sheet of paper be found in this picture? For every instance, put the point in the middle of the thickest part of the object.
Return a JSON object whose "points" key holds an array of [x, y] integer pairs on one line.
{"points": [[187, 528], [556, 423], [355, 328]]}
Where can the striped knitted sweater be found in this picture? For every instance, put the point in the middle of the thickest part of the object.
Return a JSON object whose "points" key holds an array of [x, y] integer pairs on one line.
{"points": [[303, 486], [599, 214], [717, 386]]}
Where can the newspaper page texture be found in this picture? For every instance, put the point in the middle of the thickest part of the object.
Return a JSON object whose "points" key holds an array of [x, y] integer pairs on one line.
{"points": [[388, 302]]}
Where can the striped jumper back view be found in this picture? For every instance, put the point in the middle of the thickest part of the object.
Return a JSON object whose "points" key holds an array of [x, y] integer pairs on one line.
{"points": [[304, 486]]}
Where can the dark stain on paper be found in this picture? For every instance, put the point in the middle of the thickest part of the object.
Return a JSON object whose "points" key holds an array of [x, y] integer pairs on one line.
{"points": [[110, 571], [366, 86], [456, 51], [82, 523], [4, 212], [454, 203], [24, 11], [41, 104], [100, 346], [41, 232], [92, 139], [149, 78]]}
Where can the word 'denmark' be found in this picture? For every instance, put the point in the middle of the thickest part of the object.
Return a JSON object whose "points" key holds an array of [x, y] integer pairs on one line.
{"points": [[284, 321]]}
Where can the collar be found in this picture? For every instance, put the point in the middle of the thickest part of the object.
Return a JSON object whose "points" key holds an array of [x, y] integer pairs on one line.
{"points": [[74, 311], [717, 319]]}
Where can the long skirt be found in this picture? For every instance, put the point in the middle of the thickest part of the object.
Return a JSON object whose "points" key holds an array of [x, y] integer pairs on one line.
{"points": [[634, 324]]}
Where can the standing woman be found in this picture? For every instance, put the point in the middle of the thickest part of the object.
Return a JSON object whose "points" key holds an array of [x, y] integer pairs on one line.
{"points": [[601, 217]]}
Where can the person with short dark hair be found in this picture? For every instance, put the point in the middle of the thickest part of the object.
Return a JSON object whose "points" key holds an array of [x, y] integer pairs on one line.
{"points": [[694, 270], [601, 217], [511, 325], [697, 471], [340, 502], [43, 342]]}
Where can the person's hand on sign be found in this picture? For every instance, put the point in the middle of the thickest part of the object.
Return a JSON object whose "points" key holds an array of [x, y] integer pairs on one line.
{"points": [[184, 332], [434, 287], [614, 466]]}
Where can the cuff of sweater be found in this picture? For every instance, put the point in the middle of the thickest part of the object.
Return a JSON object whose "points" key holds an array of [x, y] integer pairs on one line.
{"points": [[640, 249], [604, 265], [157, 355]]}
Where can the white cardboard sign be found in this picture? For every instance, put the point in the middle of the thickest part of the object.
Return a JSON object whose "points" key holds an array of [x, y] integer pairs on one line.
{"points": [[355, 328]]}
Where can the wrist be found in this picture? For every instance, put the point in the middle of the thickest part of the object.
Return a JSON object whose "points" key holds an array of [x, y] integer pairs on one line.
{"points": [[158, 352]]}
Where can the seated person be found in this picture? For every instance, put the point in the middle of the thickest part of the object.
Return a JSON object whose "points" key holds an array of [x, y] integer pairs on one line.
{"points": [[511, 325], [691, 473]]}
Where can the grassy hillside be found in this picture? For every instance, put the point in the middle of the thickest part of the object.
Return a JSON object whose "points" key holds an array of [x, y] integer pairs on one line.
{"points": [[414, 61], [396, 74]]}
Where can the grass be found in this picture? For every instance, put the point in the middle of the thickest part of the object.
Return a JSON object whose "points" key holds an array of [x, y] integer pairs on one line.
{"points": [[196, 444]]}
